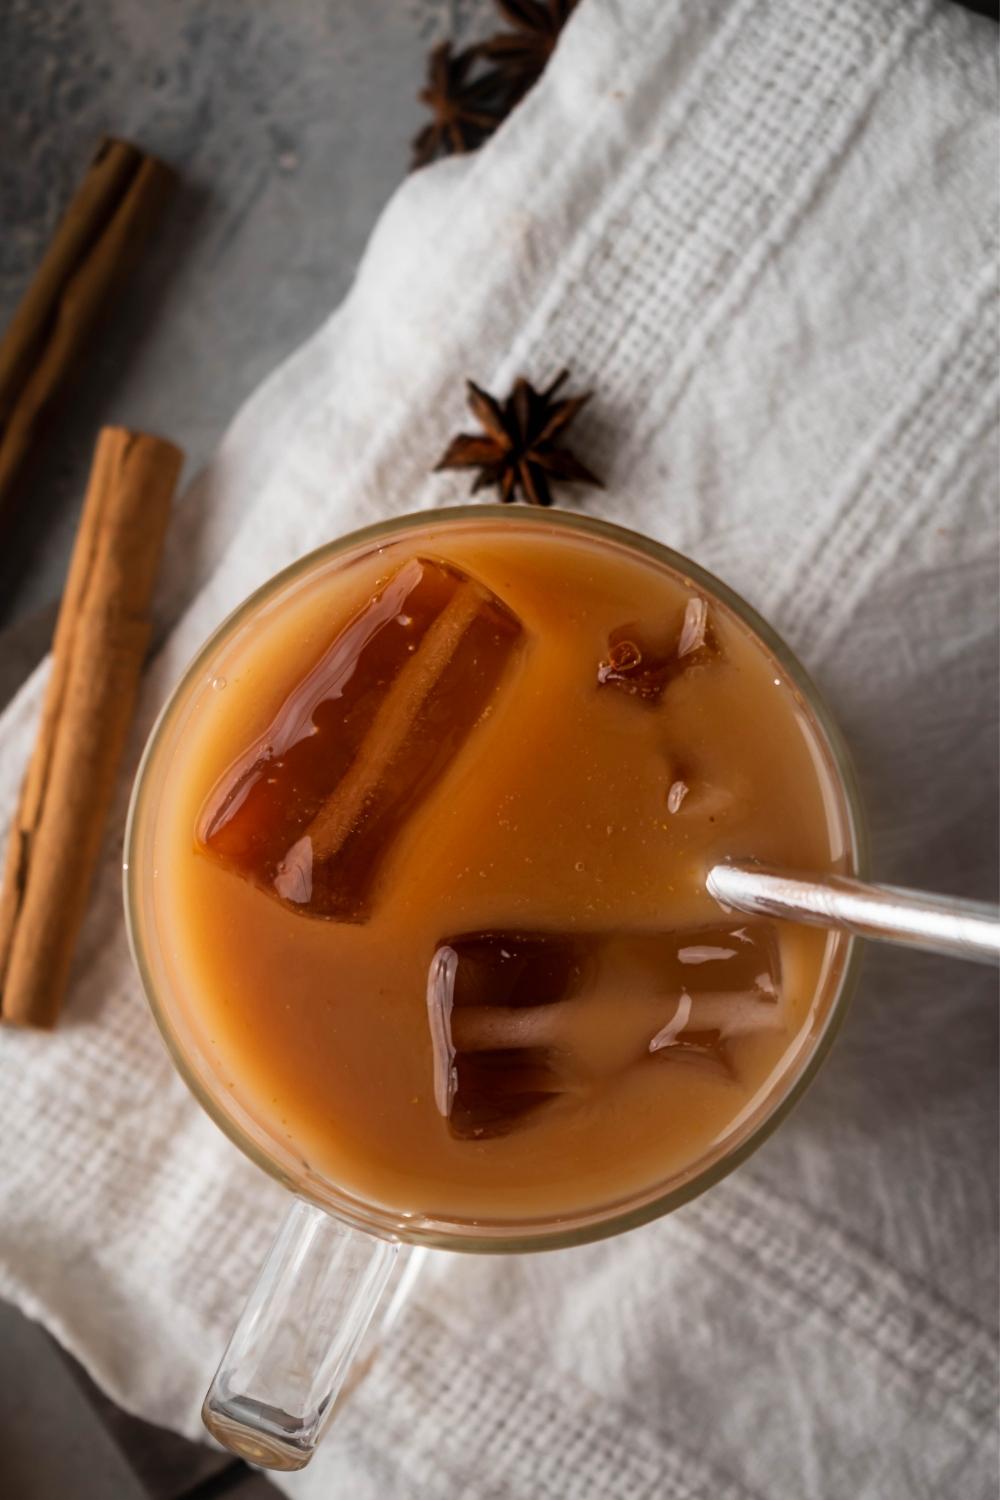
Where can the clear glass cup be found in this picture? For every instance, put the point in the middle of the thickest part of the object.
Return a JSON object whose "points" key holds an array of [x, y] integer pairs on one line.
{"points": [[307, 1332]]}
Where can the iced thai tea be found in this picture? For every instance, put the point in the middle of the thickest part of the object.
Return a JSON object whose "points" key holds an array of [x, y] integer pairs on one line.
{"points": [[431, 857]]}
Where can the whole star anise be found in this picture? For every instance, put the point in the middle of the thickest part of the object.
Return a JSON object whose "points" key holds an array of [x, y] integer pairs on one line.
{"points": [[465, 108], [520, 55], [519, 451]]}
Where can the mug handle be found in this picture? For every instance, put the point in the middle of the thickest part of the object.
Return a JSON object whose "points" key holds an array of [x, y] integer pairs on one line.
{"points": [[299, 1334]]}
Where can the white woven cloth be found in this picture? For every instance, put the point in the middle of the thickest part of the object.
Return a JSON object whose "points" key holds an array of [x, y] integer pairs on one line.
{"points": [[765, 232]]}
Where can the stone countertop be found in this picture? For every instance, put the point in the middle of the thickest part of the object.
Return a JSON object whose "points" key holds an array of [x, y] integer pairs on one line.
{"points": [[289, 126]]}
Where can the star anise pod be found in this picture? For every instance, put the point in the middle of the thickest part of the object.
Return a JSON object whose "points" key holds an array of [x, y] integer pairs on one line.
{"points": [[521, 54], [519, 451], [465, 108]]}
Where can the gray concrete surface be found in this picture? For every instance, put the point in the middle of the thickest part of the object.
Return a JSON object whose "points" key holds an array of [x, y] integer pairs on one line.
{"points": [[289, 125]]}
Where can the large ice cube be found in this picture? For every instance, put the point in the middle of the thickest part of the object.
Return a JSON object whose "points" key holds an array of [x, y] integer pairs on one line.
{"points": [[311, 810], [519, 1018]]}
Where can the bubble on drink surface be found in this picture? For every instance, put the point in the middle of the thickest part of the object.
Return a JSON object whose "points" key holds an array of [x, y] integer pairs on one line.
{"points": [[521, 1021], [218, 683]]}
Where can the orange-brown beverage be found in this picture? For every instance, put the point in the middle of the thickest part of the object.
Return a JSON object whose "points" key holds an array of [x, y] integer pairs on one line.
{"points": [[431, 854]]}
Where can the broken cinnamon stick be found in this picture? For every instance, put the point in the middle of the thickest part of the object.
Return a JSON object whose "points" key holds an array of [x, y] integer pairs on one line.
{"points": [[93, 248], [100, 642]]}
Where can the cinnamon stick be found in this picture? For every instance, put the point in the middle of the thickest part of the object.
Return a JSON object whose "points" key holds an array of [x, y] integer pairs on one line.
{"points": [[93, 248], [100, 642]]}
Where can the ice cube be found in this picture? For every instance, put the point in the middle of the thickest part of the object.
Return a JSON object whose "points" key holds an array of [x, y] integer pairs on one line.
{"points": [[484, 990], [312, 809], [729, 985], [518, 1019], [643, 669]]}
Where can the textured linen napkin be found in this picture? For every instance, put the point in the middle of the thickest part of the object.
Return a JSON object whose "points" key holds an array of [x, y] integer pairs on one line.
{"points": [[765, 232]]}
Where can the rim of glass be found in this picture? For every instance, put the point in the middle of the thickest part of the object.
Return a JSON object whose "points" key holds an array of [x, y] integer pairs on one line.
{"points": [[503, 1236]]}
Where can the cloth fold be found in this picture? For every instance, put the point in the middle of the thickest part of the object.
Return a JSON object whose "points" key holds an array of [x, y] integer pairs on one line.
{"points": [[765, 233]]}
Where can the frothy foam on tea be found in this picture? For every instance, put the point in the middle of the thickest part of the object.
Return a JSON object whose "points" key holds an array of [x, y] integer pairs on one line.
{"points": [[433, 871]]}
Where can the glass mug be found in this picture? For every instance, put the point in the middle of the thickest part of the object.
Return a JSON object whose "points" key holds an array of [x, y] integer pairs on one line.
{"points": [[309, 1328]]}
